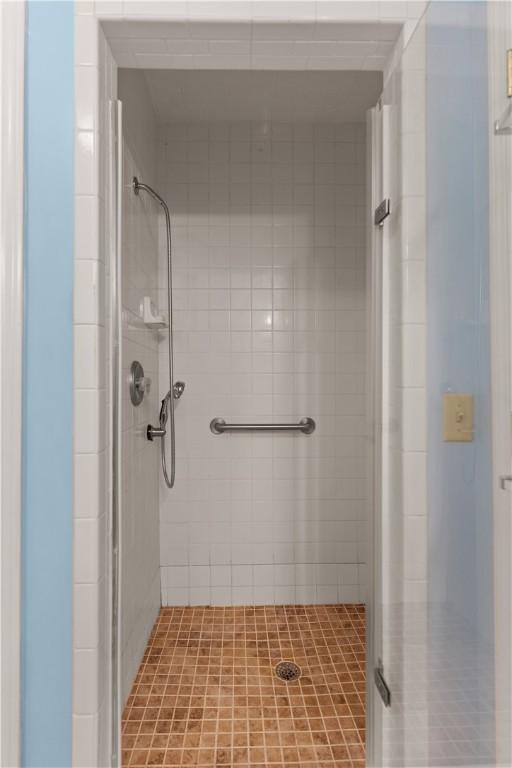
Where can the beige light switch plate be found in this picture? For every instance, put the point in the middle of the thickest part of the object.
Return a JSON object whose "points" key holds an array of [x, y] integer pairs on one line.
{"points": [[458, 418]]}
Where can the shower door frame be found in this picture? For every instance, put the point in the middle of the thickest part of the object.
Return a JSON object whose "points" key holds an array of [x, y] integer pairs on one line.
{"points": [[87, 31], [116, 383], [374, 283], [12, 69], [378, 318]]}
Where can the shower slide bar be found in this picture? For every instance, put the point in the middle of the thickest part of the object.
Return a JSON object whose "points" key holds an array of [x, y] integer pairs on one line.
{"points": [[175, 388], [306, 426]]}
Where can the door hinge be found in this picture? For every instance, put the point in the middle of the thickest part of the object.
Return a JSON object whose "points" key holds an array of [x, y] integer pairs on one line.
{"points": [[382, 211], [382, 686], [509, 73]]}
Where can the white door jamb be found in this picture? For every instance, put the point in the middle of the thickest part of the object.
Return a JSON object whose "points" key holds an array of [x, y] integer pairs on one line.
{"points": [[12, 74]]}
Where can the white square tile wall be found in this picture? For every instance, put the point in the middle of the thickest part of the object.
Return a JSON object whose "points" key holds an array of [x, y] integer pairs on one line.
{"points": [[92, 445], [269, 290]]}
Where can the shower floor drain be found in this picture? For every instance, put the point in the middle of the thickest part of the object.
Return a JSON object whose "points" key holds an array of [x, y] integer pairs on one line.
{"points": [[288, 671]]}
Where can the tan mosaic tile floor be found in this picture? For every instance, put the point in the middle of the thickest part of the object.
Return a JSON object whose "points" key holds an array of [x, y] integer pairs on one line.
{"points": [[206, 693]]}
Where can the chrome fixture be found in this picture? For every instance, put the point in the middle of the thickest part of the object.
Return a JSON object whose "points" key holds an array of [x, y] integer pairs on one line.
{"points": [[381, 212], [167, 408], [161, 430], [505, 481], [287, 671], [139, 384], [381, 684], [306, 426], [504, 124], [152, 432], [177, 389]]}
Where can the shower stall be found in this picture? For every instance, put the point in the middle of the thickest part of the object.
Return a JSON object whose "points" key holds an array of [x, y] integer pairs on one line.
{"points": [[264, 174], [300, 552]]}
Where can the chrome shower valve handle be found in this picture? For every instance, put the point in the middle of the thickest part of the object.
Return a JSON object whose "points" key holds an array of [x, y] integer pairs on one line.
{"points": [[143, 384], [153, 432], [139, 383]]}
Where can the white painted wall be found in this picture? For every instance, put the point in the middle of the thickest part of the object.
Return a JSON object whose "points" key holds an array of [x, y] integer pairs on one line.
{"points": [[269, 291]]}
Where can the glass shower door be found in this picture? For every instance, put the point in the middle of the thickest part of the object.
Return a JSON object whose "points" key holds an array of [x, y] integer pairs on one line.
{"points": [[460, 511], [384, 605], [440, 611]]}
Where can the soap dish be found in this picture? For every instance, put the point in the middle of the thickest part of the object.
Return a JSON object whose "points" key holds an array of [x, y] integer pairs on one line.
{"points": [[150, 316]]}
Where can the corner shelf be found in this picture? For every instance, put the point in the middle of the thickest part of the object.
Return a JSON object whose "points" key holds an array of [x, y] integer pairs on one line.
{"points": [[149, 316]]}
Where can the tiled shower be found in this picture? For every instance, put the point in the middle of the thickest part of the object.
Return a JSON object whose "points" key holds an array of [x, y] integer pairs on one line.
{"points": [[269, 326], [269, 230], [268, 212], [260, 553]]}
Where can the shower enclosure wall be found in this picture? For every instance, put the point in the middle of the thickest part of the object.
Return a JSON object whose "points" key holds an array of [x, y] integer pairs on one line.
{"points": [[269, 275], [269, 270]]}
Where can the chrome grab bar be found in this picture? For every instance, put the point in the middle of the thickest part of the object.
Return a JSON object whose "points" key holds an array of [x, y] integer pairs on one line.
{"points": [[307, 426]]}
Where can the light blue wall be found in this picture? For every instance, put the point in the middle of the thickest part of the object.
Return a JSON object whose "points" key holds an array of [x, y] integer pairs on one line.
{"points": [[458, 304], [48, 379], [459, 474]]}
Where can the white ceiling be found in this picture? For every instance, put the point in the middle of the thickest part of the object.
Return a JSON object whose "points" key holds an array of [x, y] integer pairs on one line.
{"points": [[311, 45], [232, 96]]}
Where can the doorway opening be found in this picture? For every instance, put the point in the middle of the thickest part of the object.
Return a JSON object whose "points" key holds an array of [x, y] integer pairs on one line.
{"points": [[258, 554]]}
